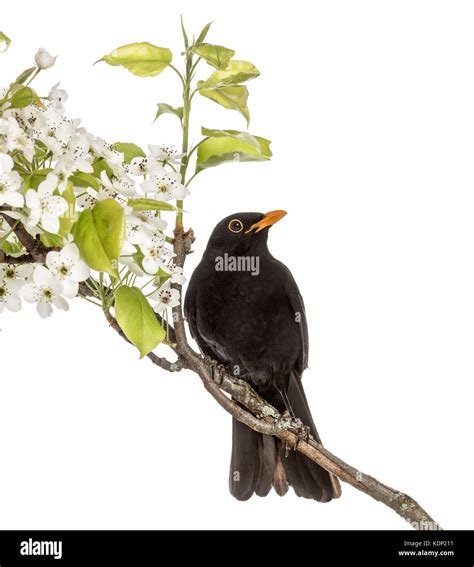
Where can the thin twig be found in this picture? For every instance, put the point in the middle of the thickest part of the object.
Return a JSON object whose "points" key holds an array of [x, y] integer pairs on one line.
{"points": [[245, 405]]}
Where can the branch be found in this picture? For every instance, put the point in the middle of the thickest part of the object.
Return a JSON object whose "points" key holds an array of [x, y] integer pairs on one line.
{"points": [[159, 361], [265, 419], [23, 259], [36, 250], [262, 417], [245, 405]]}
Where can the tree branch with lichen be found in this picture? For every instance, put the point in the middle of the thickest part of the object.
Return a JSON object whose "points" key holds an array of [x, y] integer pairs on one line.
{"points": [[234, 395]]}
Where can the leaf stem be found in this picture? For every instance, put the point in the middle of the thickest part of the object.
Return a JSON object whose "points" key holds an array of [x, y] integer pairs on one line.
{"points": [[192, 177], [5, 236], [185, 124], [179, 74], [195, 147], [35, 74]]}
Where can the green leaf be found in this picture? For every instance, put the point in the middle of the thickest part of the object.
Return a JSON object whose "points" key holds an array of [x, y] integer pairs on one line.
{"points": [[51, 240], [244, 136], [12, 248], [24, 96], [6, 40], [137, 319], [149, 205], [25, 75], [128, 150], [84, 180], [215, 55], [231, 145], [67, 220], [185, 35], [164, 108], [237, 72], [262, 143], [233, 97], [203, 34], [99, 233], [101, 165], [142, 59], [33, 180]]}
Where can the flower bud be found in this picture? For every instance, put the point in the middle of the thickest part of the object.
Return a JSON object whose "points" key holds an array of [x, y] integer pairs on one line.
{"points": [[44, 59]]}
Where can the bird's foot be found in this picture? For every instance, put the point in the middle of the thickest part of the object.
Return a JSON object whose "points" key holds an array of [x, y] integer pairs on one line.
{"points": [[287, 421], [217, 370], [302, 431]]}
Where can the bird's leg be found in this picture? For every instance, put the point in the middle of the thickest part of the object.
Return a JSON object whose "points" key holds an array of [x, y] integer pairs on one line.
{"points": [[217, 369], [289, 416], [292, 423]]}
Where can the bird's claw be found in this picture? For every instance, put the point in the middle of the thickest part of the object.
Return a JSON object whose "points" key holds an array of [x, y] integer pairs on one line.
{"points": [[217, 370], [286, 421], [218, 374], [303, 431]]}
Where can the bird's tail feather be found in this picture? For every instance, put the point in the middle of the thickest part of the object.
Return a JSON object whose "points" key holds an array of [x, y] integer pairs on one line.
{"points": [[259, 461], [253, 462], [307, 478]]}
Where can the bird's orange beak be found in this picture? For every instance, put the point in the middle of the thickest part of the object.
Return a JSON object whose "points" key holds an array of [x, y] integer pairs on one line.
{"points": [[268, 220]]}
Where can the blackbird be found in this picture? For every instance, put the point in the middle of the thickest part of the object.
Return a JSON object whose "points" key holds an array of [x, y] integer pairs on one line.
{"points": [[244, 310]]}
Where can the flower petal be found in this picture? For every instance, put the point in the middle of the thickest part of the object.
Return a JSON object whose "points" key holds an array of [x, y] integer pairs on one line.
{"points": [[24, 270], [32, 199], [44, 309], [29, 292], [80, 271], [53, 258], [70, 252], [14, 199], [13, 303], [61, 303], [70, 288], [150, 265], [50, 223], [41, 276]]}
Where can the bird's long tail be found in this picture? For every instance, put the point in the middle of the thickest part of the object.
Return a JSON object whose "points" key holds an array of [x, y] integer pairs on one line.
{"points": [[259, 462]]}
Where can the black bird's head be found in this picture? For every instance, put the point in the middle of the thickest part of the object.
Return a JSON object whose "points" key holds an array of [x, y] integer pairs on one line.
{"points": [[242, 233]]}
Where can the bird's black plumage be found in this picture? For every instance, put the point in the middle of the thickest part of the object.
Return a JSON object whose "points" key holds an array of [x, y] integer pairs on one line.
{"points": [[244, 309]]}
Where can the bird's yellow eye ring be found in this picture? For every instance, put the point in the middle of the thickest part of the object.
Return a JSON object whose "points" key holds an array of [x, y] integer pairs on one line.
{"points": [[235, 226]]}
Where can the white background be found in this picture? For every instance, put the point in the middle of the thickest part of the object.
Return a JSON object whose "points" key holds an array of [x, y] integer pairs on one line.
{"points": [[370, 106]]}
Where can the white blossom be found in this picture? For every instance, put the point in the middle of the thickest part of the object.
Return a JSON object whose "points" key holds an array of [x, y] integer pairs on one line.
{"points": [[74, 158], [10, 182], [122, 185], [155, 254], [138, 166], [54, 130], [104, 150], [45, 290], [176, 274], [166, 297], [68, 268], [141, 226], [161, 154], [44, 207], [15, 271], [15, 138], [9, 294], [57, 97], [165, 185]]}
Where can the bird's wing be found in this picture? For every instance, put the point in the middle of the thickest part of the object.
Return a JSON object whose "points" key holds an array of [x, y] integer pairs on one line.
{"points": [[297, 304], [191, 318]]}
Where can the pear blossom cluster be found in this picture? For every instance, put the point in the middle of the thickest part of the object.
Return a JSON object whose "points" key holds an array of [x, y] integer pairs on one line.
{"points": [[52, 169]]}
